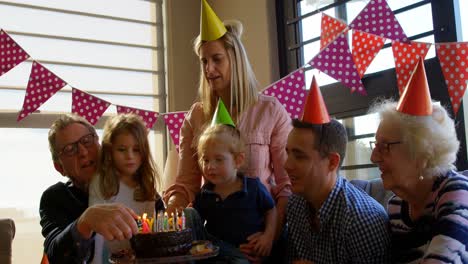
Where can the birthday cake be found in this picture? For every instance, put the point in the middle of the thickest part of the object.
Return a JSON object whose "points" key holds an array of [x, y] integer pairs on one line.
{"points": [[162, 244], [162, 236]]}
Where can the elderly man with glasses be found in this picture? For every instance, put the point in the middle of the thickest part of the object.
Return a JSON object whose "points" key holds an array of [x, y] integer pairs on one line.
{"points": [[68, 224]]}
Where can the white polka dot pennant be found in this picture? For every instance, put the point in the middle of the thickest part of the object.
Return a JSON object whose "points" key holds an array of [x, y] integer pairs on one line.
{"points": [[454, 63], [88, 106], [149, 117], [336, 60], [290, 92], [11, 54], [42, 85], [377, 18], [174, 122], [365, 48], [406, 58], [330, 28]]}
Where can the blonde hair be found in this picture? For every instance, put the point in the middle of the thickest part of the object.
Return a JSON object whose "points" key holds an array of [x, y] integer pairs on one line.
{"points": [[62, 122], [244, 85], [226, 135], [432, 137], [147, 176]]}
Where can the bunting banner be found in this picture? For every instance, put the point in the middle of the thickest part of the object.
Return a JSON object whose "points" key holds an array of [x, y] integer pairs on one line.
{"points": [[88, 106], [42, 85], [365, 48], [149, 117], [377, 18], [453, 59], [290, 92], [406, 58], [11, 54], [330, 28], [336, 60], [174, 122]]}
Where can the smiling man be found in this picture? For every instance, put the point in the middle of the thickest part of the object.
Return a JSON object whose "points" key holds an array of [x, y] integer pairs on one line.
{"points": [[68, 225], [329, 220]]}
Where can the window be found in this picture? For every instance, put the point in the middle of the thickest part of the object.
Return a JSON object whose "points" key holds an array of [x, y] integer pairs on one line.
{"points": [[299, 41], [113, 51]]}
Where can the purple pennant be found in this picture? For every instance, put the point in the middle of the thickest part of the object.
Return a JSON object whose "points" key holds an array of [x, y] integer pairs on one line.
{"points": [[336, 60], [290, 92], [377, 18]]}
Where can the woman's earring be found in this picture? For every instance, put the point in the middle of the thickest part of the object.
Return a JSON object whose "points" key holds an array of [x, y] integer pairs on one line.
{"points": [[421, 177]]}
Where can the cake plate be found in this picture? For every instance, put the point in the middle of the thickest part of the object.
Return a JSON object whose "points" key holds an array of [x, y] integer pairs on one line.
{"points": [[130, 259]]}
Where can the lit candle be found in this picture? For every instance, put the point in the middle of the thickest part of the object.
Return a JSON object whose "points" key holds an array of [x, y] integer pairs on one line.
{"points": [[145, 226]]}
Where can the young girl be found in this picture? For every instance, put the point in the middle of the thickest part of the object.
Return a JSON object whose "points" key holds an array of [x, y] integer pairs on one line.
{"points": [[127, 175], [233, 205]]}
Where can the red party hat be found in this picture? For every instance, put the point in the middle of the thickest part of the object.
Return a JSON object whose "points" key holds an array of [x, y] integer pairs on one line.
{"points": [[416, 98], [315, 111]]}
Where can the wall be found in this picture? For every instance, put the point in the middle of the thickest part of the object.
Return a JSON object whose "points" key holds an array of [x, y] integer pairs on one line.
{"points": [[183, 22]]}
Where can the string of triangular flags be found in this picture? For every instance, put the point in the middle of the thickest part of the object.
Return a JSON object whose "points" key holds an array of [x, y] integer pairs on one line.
{"points": [[371, 28]]}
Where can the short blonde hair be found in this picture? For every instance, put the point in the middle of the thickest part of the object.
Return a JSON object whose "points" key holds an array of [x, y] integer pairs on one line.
{"points": [[433, 137], [221, 134], [147, 176], [244, 85], [60, 123]]}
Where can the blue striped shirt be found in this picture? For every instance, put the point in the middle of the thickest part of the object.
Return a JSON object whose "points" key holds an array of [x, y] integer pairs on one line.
{"points": [[440, 235]]}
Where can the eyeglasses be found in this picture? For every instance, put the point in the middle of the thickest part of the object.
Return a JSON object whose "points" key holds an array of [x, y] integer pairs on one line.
{"points": [[383, 148], [72, 148]]}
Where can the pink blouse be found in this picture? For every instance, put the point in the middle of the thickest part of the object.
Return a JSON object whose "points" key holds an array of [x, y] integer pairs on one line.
{"points": [[264, 127]]}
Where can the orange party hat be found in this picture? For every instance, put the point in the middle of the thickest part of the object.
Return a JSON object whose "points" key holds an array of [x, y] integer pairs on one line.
{"points": [[315, 111], [416, 98]]}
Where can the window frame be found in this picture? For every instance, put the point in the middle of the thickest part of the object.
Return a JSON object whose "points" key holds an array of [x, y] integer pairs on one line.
{"points": [[340, 102]]}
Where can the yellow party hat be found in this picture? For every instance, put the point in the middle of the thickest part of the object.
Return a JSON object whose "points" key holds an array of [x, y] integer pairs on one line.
{"points": [[211, 27]]}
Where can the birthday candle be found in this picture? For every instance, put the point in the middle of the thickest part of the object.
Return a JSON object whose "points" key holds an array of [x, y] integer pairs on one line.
{"points": [[139, 224], [183, 220], [150, 223], [176, 223], [166, 223]]}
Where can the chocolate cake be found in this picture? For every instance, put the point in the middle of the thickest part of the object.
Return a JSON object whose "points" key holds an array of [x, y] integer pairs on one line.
{"points": [[162, 244]]}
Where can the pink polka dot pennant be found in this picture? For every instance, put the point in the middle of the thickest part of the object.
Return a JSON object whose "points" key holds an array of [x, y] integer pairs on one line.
{"points": [[42, 85], [377, 18], [149, 117], [88, 106], [290, 92], [406, 58], [454, 63], [11, 54], [174, 122], [336, 60], [330, 28], [365, 48]]}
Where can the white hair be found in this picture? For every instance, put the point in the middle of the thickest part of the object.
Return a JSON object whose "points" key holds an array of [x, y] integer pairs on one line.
{"points": [[431, 137]]}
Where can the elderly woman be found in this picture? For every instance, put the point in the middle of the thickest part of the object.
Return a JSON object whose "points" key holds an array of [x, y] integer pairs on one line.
{"points": [[428, 214]]}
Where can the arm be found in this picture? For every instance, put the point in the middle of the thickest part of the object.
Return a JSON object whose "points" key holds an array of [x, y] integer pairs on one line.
{"points": [[282, 190], [63, 242], [450, 241], [264, 241], [188, 178]]}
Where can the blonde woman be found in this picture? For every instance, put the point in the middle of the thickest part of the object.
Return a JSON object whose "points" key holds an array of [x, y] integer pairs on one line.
{"points": [[264, 123]]}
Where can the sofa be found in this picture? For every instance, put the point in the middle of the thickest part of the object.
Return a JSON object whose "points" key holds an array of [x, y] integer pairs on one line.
{"points": [[7, 233]]}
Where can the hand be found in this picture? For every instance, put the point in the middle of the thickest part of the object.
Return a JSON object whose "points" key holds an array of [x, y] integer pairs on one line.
{"points": [[262, 243], [175, 202], [112, 221], [249, 252]]}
